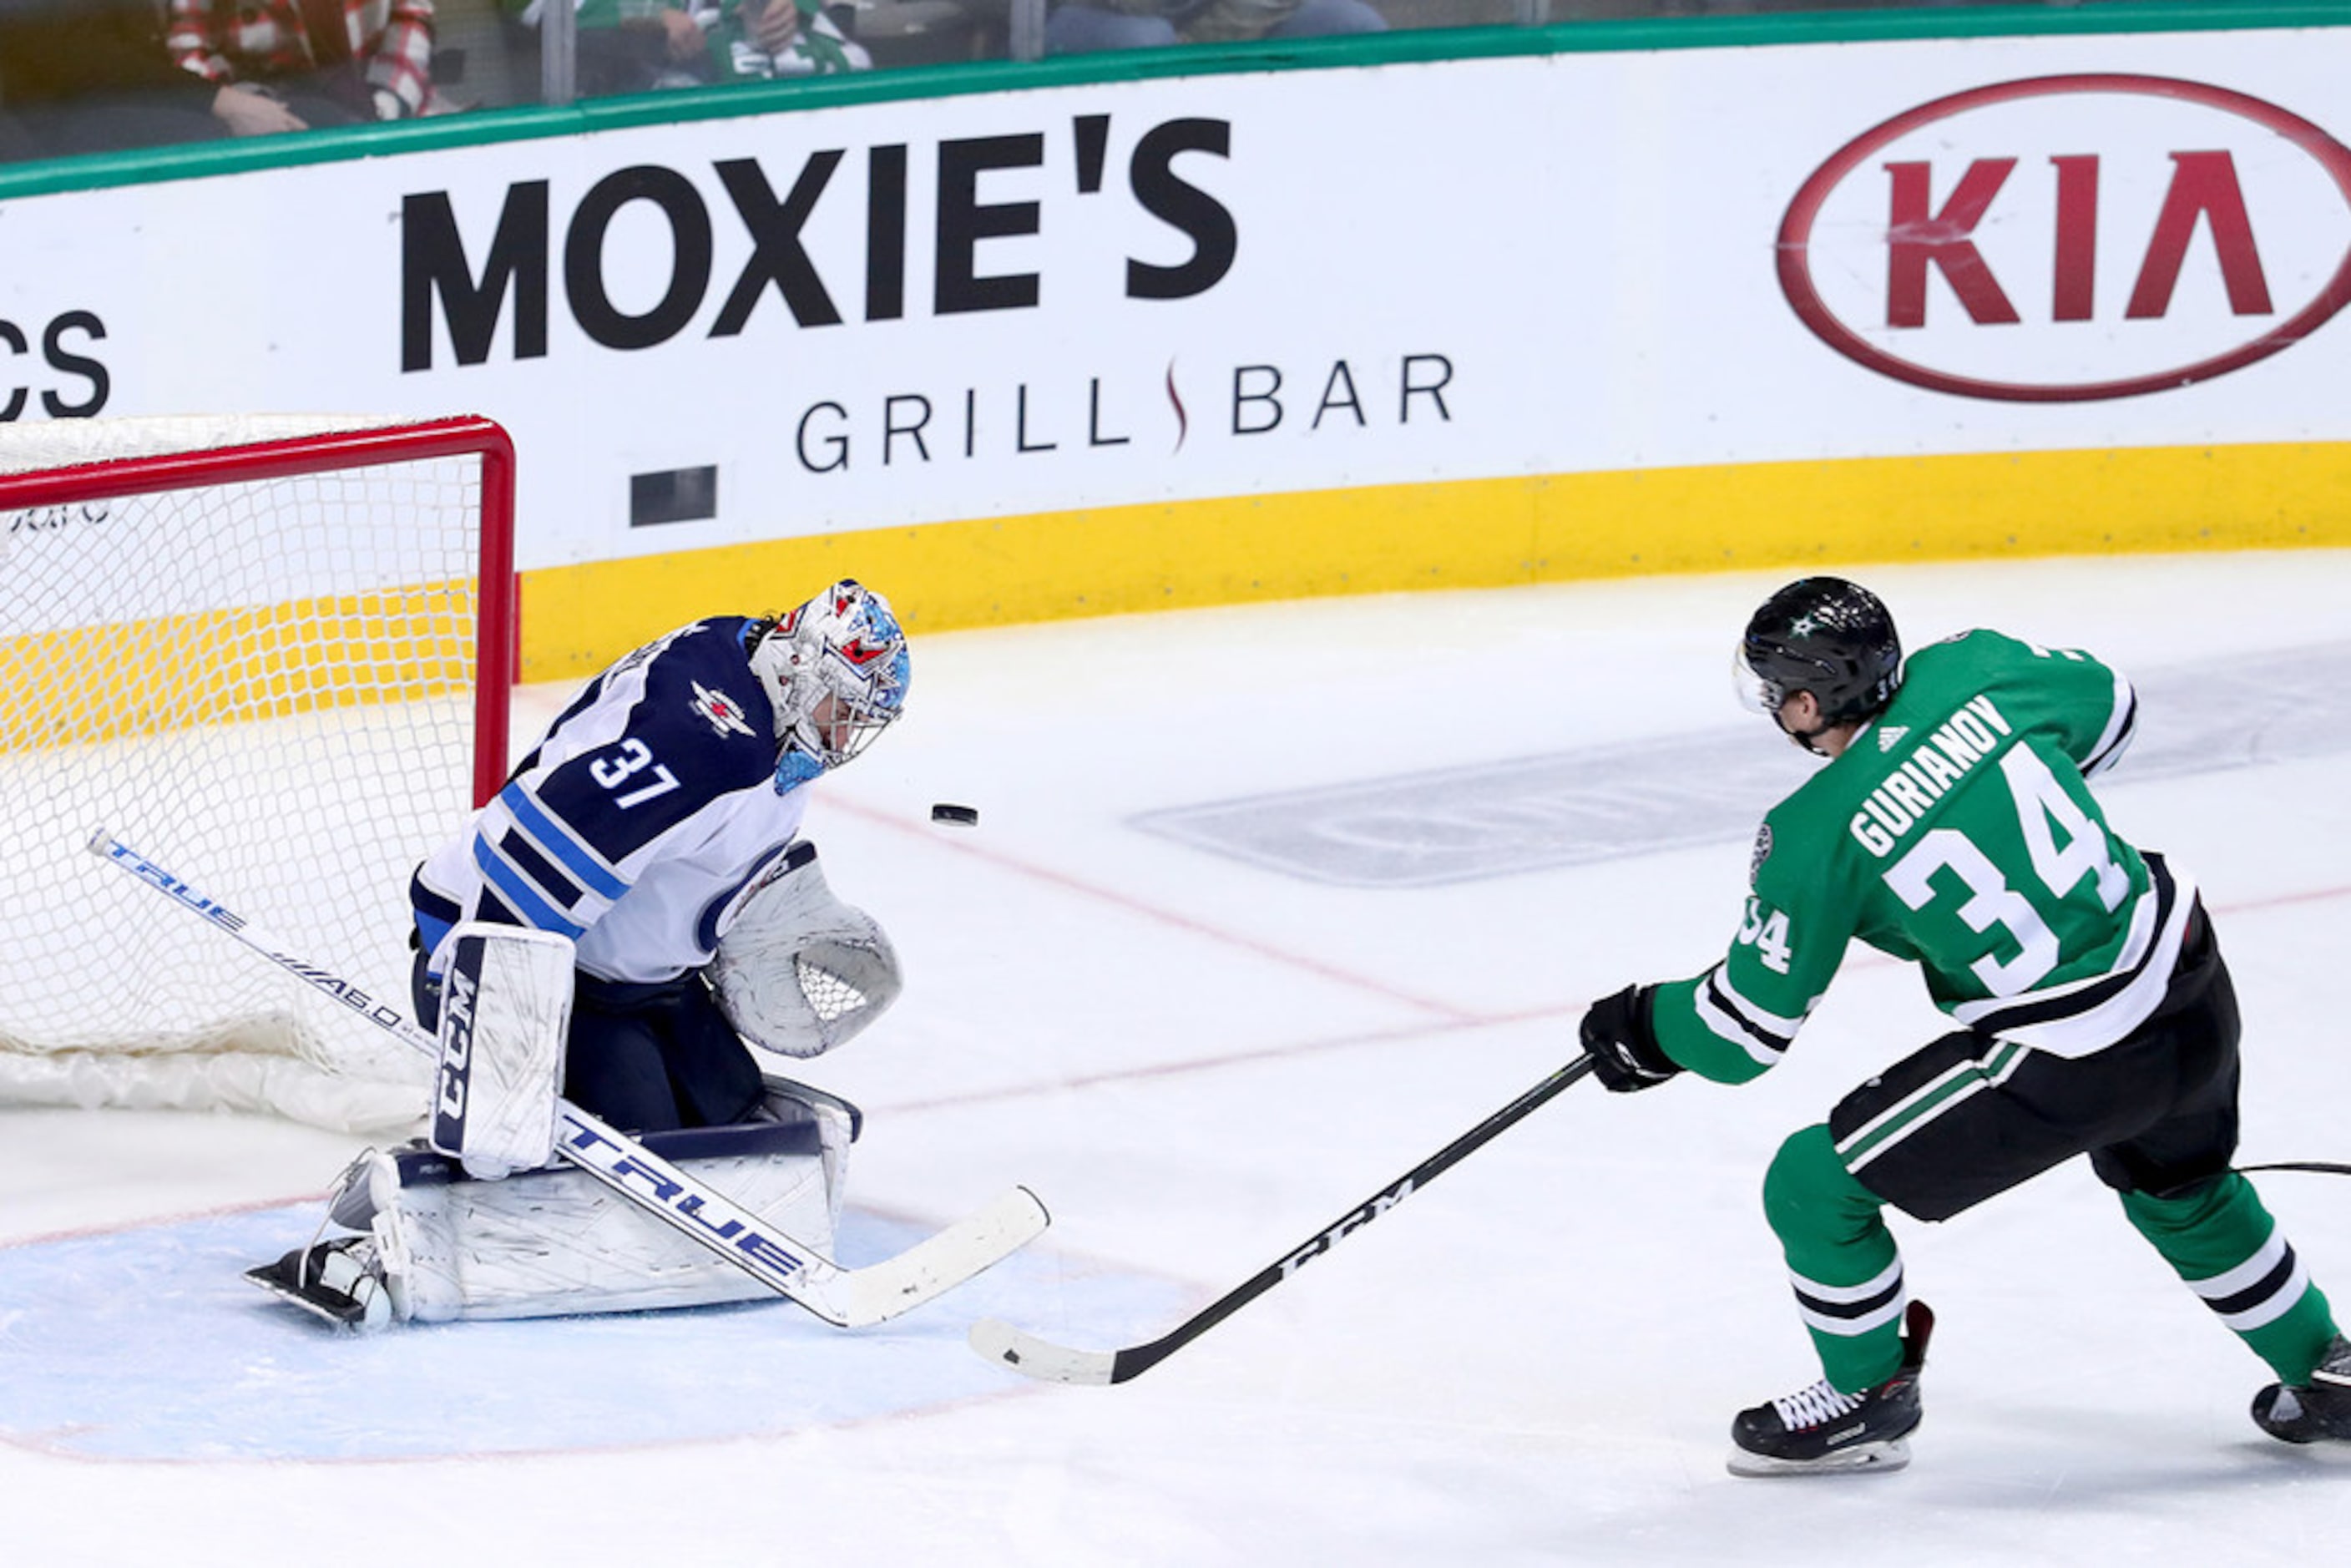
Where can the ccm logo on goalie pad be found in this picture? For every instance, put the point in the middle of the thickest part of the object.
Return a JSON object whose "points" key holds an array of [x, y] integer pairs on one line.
{"points": [[457, 994], [1347, 1227], [505, 1004]]}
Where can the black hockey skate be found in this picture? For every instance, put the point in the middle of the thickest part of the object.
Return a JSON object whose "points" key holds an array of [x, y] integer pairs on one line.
{"points": [[2315, 1412], [1820, 1430], [341, 1281]]}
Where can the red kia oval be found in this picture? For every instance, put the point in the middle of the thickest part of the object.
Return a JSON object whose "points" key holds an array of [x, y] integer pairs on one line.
{"points": [[1794, 253]]}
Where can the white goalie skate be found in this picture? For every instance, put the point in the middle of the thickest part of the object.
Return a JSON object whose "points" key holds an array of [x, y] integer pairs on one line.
{"points": [[341, 1280]]}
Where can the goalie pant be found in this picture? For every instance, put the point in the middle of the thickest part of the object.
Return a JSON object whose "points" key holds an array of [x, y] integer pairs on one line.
{"points": [[556, 1242], [795, 971]]}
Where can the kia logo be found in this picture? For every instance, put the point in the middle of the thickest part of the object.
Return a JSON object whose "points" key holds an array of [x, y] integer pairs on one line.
{"points": [[2073, 237]]}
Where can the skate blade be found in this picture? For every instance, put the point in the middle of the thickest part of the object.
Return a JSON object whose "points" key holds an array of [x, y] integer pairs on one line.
{"points": [[269, 1279], [1862, 1458]]}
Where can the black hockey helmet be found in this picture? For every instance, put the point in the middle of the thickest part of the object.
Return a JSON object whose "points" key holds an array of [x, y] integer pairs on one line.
{"points": [[1825, 636]]}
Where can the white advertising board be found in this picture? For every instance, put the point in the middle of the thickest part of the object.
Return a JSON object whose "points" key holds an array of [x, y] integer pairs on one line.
{"points": [[1066, 298]]}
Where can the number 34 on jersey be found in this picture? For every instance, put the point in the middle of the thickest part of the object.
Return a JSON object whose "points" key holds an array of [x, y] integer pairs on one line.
{"points": [[1765, 929]]}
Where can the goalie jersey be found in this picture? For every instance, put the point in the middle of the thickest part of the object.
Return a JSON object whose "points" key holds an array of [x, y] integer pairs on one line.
{"points": [[652, 800], [1957, 833]]}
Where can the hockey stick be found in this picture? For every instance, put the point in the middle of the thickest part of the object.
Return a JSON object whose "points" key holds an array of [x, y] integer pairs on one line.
{"points": [[845, 1298], [999, 1341]]}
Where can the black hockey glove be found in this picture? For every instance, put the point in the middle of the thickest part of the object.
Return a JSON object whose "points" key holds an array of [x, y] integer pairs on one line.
{"points": [[1625, 1056]]}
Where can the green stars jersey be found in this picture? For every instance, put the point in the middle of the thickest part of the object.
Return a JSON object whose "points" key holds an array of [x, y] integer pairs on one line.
{"points": [[1957, 833]]}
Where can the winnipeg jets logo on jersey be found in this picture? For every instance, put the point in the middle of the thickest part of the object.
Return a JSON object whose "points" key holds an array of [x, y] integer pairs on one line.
{"points": [[725, 714]]}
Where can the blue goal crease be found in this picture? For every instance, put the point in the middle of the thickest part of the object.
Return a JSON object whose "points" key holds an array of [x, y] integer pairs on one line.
{"points": [[194, 1363]]}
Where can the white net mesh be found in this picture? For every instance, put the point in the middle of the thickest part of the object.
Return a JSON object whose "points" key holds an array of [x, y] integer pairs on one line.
{"points": [[67, 442], [830, 996], [265, 686]]}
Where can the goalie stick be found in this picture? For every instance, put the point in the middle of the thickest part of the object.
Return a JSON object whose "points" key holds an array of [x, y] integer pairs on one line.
{"points": [[999, 1341], [845, 1298]]}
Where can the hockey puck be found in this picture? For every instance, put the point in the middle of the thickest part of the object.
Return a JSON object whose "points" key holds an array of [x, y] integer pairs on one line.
{"points": [[962, 815]]}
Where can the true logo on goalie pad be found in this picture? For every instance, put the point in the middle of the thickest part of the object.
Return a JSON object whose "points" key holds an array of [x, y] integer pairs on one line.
{"points": [[1361, 1217], [691, 1207]]}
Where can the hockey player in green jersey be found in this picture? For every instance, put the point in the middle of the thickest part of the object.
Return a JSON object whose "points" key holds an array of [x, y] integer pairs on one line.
{"points": [[1952, 826]]}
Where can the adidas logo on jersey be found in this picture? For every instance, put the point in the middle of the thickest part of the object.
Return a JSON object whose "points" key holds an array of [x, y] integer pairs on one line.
{"points": [[1887, 739]]}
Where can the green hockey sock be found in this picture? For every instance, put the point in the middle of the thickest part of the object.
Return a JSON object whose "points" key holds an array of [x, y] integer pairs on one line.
{"points": [[1841, 1261], [2223, 1242]]}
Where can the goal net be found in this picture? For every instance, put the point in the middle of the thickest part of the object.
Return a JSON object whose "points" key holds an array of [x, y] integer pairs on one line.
{"points": [[272, 654]]}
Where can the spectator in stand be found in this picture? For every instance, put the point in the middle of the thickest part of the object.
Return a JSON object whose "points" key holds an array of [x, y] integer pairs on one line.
{"points": [[1083, 29], [639, 45], [92, 76], [289, 65]]}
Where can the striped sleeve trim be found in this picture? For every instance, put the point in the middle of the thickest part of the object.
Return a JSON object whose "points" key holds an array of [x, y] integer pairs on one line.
{"points": [[527, 901], [2120, 728], [594, 872], [1764, 1035]]}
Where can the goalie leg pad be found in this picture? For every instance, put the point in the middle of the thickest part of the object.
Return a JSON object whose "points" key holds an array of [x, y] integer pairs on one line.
{"points": [[556, 1242], [798, 971], [838, 1124], [505, 1013]]}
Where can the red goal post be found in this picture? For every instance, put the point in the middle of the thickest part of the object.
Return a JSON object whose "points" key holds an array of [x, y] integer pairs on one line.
{"points": [[277, 652]]}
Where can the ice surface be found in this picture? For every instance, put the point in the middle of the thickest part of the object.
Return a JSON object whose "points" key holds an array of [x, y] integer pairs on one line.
{"points": [[1202, 1058]]}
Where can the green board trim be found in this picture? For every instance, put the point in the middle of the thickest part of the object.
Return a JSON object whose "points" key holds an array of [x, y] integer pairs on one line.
{"points": [[1410, 46]]}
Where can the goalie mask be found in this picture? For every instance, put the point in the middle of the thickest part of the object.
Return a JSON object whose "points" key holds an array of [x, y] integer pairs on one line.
{"points": [[836, 671]]}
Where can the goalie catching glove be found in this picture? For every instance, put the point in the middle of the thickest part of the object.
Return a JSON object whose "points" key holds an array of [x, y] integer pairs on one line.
{"points": [[796, 970], [1625, 1056]]}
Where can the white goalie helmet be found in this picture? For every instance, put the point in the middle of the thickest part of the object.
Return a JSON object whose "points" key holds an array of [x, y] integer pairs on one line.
{"points": [[836, 669]]}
